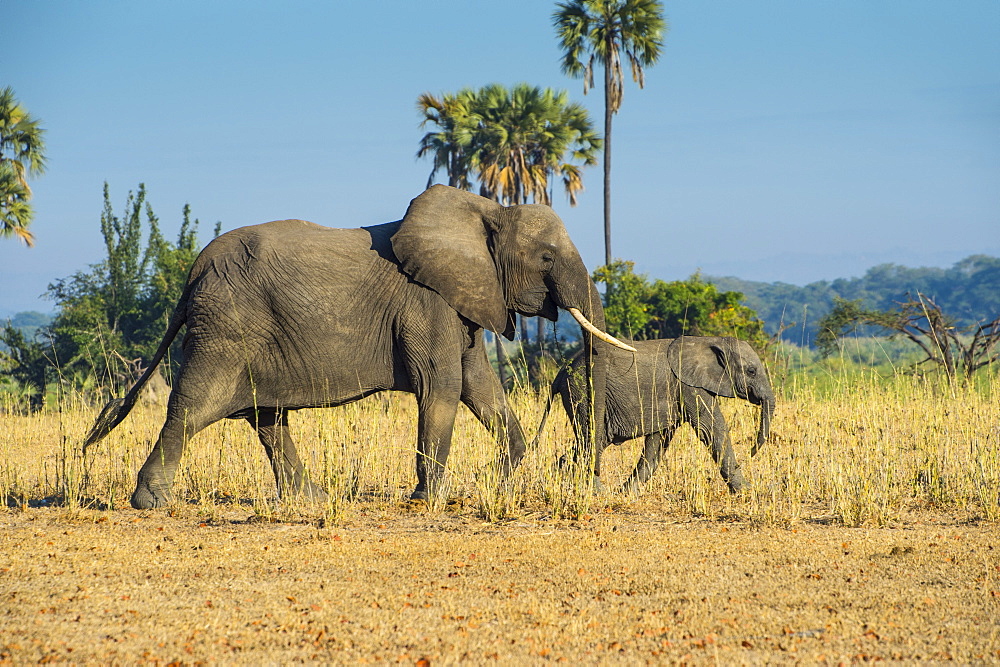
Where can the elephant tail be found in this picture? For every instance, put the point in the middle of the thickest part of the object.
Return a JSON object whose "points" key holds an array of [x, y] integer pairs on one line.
{"points": [[117, 409]]}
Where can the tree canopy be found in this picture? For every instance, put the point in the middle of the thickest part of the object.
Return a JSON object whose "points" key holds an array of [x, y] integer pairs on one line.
{"points": [[111, 317], [511, 142], [638, 308], [124, 303]]}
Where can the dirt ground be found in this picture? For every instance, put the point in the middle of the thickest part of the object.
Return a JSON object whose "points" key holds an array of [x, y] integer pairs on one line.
{"points": [[411, 585]]}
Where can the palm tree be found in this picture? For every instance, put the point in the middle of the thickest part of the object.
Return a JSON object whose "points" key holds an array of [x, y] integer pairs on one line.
{"points": [[513, 142], [599, 31], [447, 146], [22, 154], [526, 136]]}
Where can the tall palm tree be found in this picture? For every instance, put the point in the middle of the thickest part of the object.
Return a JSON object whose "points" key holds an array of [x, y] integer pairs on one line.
{"points": [[525, 137], [599, 31], [22, 154]]}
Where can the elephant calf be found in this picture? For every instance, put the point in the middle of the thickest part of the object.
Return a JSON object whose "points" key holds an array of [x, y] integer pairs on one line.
{"points": [[666, 382]]}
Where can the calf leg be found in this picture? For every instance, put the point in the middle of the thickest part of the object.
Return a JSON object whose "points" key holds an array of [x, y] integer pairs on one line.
{"points": [[712, 429], [649, 460]]}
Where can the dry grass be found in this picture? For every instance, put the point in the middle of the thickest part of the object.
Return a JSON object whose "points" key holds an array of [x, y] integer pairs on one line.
{"points": [[869, 532]]}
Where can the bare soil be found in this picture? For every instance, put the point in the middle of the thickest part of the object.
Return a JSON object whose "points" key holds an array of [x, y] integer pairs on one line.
{"points": [[405, 584]]}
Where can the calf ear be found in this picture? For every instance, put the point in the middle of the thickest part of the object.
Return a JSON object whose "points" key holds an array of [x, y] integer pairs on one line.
{"points": [[443, 242], [702, 361]]}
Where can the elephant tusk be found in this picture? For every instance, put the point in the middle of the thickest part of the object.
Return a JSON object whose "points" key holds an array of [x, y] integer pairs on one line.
{"points": [[607, 338]]}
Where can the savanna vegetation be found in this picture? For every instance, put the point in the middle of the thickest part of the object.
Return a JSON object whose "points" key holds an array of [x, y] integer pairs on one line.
{"points": [[967, 293], [867, 532], [867, 529]]}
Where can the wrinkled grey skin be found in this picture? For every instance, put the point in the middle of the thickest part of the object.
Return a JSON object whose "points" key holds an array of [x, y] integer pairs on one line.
{"points": [[667, 382], [289, 315]]}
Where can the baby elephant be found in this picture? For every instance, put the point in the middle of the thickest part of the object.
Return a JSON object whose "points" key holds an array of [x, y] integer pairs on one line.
{"points": [[650, 392]]}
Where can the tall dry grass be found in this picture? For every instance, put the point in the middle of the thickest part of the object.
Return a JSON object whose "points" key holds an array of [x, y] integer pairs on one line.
{"points": [[861, 451]]}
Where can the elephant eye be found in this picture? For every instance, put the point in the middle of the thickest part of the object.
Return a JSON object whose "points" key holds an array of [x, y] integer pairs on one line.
{"points": [[548, 259], [751, 371]]}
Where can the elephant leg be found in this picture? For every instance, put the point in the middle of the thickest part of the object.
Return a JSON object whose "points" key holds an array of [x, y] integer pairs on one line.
{"points": [[649, 460], [483, 394], [436, 421], [713, 430], [156, 477], [289, 473]]}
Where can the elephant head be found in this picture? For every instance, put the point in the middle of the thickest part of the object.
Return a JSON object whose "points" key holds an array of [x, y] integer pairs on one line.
{"points": [[728, 367], [490, 261]]}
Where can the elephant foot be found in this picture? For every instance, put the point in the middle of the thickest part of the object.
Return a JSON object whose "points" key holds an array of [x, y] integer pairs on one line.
{"points": [[736, 483], [306, 491], [598, 487], [629, 488], [313, 493], [432, 490], [149, 495]]}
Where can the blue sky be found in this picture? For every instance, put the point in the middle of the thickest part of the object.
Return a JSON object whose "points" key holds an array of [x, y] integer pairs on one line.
{"points": [[779, 140]]}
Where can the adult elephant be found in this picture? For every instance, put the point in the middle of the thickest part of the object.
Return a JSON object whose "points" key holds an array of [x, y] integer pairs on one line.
{"points": [[667, 382], [289, 315]]}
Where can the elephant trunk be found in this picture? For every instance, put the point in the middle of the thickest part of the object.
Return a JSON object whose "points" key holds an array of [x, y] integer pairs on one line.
{"points": [[766, 412]]}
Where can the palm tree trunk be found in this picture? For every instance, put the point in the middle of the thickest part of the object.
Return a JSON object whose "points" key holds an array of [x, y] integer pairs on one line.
{"points": [[607, 165]]}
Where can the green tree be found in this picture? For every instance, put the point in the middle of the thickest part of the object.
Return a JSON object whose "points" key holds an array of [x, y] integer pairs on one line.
{"points": [[118, 309], [627, 299], [25, 360], [599, 32], [448, 144], [640, 309], [22, 154]]}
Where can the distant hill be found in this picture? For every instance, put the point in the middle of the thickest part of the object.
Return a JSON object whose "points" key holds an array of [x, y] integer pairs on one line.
{"points": [[968, 291], [29, 322]]}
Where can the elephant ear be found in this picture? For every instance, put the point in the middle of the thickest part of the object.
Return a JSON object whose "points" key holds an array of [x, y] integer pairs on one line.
{"points": [[702, 362], [443, 242]]}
